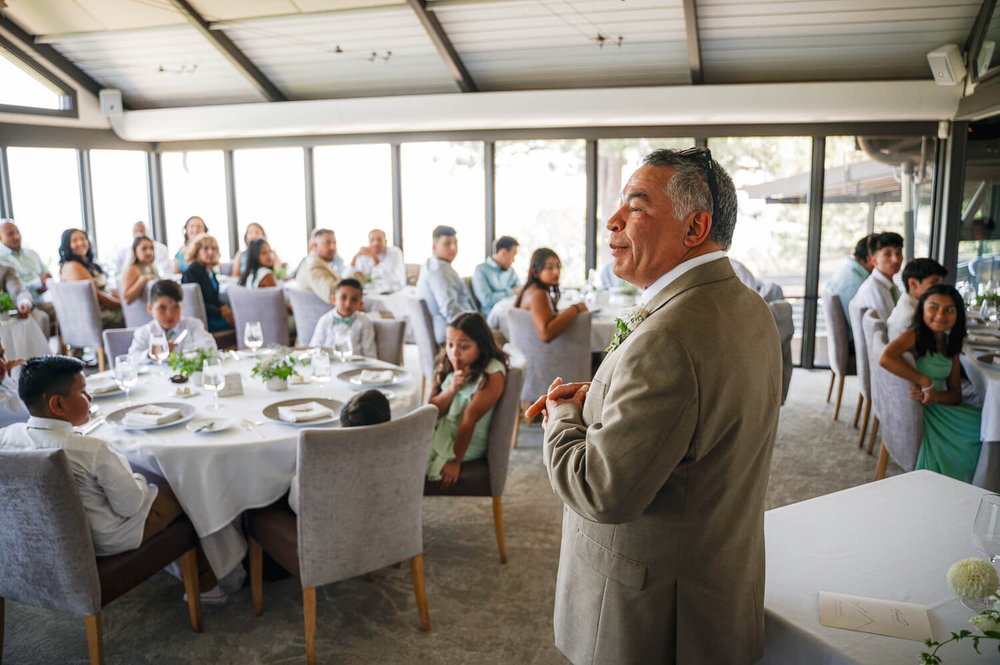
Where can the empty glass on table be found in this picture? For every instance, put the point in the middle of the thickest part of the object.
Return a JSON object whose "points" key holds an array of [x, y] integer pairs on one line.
{"points": [[126, 375], [253, 336], [342, 346], [213, 379], [159, 349]]}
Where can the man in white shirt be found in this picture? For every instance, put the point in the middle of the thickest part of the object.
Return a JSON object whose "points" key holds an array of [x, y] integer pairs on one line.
{"points": [[878, 292], [165, 307], [439, 284], [381, 262], [918, 276], [28, 265]]}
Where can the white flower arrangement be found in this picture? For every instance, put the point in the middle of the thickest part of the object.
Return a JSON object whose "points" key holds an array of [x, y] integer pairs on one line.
{"points": [[972, 578], [625, 325]]}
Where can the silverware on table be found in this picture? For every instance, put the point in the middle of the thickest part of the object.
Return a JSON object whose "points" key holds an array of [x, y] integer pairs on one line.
{"points": [[92, 425], [250, 426], [210, 425]]}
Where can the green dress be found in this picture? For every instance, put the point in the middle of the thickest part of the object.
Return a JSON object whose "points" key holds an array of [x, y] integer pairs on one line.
{"points": [[951, 440], [443, 444]]}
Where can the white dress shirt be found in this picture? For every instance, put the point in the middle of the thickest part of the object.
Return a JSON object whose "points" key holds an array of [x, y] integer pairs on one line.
{"points": [[391, 268], [902, 315], [876, 293], [362, 333], [674, 273], [116, 500], [12, 409], [197, 337]]}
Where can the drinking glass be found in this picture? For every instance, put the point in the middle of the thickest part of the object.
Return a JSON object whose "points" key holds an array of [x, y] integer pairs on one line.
{"points": [[159, 349], [126, 375], [986, 527], [213, 379], [253, 336], [321, 367], [342, 346]]}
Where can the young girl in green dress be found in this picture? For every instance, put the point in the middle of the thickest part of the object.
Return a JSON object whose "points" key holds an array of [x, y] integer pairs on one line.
{"points": [[468, 381], [951, 440]]}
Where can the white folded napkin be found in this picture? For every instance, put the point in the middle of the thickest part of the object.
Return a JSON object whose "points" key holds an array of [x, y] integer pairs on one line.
{"points": [[101, 385], [982, 339], [375, 376], [151, 414], [304, 412]]}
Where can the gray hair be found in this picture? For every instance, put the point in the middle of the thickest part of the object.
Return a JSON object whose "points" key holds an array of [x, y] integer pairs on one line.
{"points": [[689, 191]]}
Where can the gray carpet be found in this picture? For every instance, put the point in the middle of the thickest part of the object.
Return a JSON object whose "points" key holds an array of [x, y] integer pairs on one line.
{"points": [[481, 611]]}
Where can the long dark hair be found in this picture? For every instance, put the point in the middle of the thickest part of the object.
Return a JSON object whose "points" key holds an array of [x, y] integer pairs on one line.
{"points": [[475, 327], [925, 336], [66, 254], [135, 245], [537, 265], [186, 239], [253, 260]]}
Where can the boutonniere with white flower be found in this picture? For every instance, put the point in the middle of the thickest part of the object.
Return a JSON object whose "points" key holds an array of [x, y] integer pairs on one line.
{"points": [[625, 325]]}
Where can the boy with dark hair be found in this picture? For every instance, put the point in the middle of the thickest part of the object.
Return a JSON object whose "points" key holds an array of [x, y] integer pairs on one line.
{"points": [[164, 306], [495, 279], [878, 292], [440, 286], [918, 276], [346, 314], [850, 276]]}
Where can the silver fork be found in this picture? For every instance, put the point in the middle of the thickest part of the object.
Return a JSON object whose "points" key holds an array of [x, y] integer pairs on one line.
{"points": [[249, 426]]}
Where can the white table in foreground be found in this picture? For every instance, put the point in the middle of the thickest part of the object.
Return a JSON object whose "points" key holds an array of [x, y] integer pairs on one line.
{"points": [[986, 378], [892, 539], [218, 476]]}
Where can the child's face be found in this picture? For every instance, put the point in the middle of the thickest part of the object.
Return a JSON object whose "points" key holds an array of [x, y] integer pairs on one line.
{"points": [[917, 289], [166, 312], [888, 260], [266, 256], [940, 313], [461, 350], [74, 407], [348, 300], [549, 274]]}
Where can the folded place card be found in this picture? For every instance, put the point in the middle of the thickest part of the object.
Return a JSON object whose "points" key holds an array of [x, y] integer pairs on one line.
{"points": [[233, 385], [304, 412], [376, 376], [150, 414], [102, 385], [874, 615]]}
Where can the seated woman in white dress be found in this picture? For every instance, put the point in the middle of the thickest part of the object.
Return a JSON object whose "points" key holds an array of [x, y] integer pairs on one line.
{"points": [[259, 273]]}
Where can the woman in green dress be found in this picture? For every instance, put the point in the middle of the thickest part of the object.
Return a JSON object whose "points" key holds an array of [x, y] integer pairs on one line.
{"points": [[951, 440]]}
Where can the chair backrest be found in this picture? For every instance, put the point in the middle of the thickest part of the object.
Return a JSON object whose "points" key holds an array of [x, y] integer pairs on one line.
{"points": [[838, 345], [307, 308], [901, 418], [770, 291], [264, 305], [472, 293], [505, 419], [361, 492], [116, 342], [77, 312], [782, 312], [194, 302], [226, 267], [389, 335], [412, 273], [45, 544], [567, 356], [423, 332], [861, 350], [135, 312]]}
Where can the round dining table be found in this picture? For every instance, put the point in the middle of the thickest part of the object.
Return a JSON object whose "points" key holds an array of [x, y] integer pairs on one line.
{"points": [[981, 362], [218, 475]]}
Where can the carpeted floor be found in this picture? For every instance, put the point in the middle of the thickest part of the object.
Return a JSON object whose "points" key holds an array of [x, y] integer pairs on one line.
{"points": [[481, 612]]}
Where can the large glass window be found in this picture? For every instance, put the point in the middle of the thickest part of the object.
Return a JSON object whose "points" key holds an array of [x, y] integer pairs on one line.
{"points": [[194, 183], [121, 198], [23, 87], [540, 200], [45, 192], [353, 193], [443, 183], [979, 234], [271, 191]]}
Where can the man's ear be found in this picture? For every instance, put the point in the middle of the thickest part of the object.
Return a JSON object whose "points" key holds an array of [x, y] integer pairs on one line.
{"points": [[699, 228]]}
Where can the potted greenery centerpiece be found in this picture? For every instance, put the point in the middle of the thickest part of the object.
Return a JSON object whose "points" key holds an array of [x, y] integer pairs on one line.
{"points": [[6, 305], [275, 369], [188, 364]]}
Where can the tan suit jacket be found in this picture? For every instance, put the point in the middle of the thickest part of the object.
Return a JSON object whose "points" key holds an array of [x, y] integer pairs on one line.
{"points": [[663, 476], [317, 276]]}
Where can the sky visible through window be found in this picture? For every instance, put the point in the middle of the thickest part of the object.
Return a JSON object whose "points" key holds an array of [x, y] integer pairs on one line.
{"points": [[19, 88]]}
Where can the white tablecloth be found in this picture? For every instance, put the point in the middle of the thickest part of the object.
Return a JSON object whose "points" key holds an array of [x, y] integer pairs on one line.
{"points": [[218, 476], [894, 539], [22, 338], [987, 381], [394, 302]]}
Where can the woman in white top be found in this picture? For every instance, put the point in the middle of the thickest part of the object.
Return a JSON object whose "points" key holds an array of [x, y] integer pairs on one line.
{"points": [[141, 269], [259, 272]]}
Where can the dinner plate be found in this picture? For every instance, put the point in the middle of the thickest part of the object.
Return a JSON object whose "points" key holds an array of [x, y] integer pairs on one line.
{"points": [[187, 413], [108, 393], [271, 411], [353, 377], [209, 425]]}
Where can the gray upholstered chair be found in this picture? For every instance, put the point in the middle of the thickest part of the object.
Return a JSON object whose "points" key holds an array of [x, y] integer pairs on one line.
{"points": [[307, 308], [901, 416], [79, 316], [264, 305], [838, 348], [871, 323], [412, 273], [423, 332], [864, 370], [360, 509], [782, 312], [194, 302], [567, 356], [117, 341], [487, 476], [135, 312], [48, 555], [389, 335]]}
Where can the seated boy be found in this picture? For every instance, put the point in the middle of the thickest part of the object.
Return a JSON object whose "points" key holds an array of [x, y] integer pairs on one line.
{"points": [[12, 409], [347, 303], [918, 276], [368, 408], [165, 307]]}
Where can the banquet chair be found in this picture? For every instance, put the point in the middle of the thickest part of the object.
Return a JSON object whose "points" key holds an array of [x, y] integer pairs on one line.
{"points": [[79, 316], [472, 293], [869, 323], [117, 341], [135, 312], [423, 332], [264, 305], [48, 554], [838, 348], [487, 476], [307, 308], [412, 273], [864, 369], [901, 416], [782, 312], [360, 510], [568, 355], [194, 306], [389, 334]]}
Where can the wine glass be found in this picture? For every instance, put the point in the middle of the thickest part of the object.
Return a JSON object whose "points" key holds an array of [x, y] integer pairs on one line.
{"points": [[253, 336], [342, 343], [321, 367], [213, 379], [126, 375], [986, 527], [159, 349]]}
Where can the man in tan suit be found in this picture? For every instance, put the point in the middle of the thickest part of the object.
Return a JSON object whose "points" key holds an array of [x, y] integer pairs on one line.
{"points": [[662, 461], [316, 274]]}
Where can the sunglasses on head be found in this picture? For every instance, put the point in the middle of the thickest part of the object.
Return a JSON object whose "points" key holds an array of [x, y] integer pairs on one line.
{"points": [[704, 157]]}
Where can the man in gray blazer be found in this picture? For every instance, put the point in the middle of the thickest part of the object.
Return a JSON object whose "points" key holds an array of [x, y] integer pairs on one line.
{"points": [[662, 461]]}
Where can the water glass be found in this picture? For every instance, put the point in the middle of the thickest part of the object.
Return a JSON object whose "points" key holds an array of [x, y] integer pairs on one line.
{"points": [[126, 375], [159, 349], [342, 346], [986, 527], [213, 378], [253, 336], [321, 367]]}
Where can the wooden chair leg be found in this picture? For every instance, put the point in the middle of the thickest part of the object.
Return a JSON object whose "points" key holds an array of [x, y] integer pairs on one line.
{"points": [[309, 613], [864, 422], [829, 392], [256, 577], [369, 577], [1, 629], [857, 409], [423, 389], [883, 462], [840, 396], [874, 437], [417, 573], [189, 573], [517, 428], [498, 525], [95, 640], [102, 361]]}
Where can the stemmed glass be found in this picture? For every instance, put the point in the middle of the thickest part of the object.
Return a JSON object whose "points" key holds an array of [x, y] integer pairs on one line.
{"points": [[126, 375], [253, 336], [986, 538], [213, 379], [159, 349], [320, 367], [342, 346]]}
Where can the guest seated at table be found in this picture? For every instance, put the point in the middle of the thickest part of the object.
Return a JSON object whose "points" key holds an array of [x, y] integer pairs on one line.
{"points": [[23, 302], [124, 256], [12, 409], [314, 273], [193, 227], [609, 280], [164, 306], [540, 296], [851, 275], [140, 269], [918, 276], [380, 262], [347, 314], [76, 263], [203, 259], [468, 382], [260, 263], [439, 284], [254, 232], [30, 268], [495, 279], [878, 291], [951, 440]]}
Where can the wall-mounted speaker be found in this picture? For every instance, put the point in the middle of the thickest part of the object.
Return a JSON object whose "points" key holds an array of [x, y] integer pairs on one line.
{"points": [[947, 64], [111, 102]]}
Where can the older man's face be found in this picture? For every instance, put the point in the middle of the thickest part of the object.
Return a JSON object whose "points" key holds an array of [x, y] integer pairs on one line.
{"points": [[139, 229], [11, 236], [647, 239], [376, 240]]}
